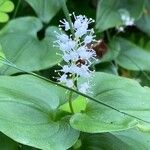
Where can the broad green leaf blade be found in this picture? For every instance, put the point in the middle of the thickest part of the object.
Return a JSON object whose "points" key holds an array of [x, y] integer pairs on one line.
{"points": [[97, 119], [45, 9], [103, 141], [125, 140], [132, 57], [30, 89], [5, 7], [22, 47], [28, 113], [7, 144], [108, 12], [124, 94], [134, 139], [112, 52], [144, 22]]}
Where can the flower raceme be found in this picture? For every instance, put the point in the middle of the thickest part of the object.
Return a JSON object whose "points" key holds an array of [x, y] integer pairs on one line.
{"points": [[76, 52], [126, 19]]}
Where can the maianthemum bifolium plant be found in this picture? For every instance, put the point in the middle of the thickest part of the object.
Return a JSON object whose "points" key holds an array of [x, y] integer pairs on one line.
{"points": [[78, 83]]}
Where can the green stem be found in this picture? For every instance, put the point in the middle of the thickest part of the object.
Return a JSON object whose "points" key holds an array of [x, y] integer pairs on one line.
{"points": [[108, 36], [70, 102], [17, 7], [67, 15]]}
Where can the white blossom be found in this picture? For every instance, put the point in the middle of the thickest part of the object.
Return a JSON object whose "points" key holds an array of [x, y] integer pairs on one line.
{"points": [[75, 51], [127, 20]]}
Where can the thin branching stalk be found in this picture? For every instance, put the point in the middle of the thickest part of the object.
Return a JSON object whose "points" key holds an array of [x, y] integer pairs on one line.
{"points": [[70, 102], [67, 15], [17, 8]]}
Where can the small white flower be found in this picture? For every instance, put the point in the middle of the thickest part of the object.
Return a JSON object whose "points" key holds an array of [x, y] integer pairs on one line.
{"points": [[63, 78], [80, 32], [66, 58], [65, 69], [63, 38], [65, 24], [127, 20], [88, 39], [120, 29], [74, 56]]}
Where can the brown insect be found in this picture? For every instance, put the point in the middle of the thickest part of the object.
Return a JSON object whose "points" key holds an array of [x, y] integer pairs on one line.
{"points": [[100, 48], [80, 62]]}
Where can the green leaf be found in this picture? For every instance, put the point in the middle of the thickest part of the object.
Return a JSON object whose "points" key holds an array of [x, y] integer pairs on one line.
{"points": [[132, 57], [126, 140], [79, 104], [7, 144], [123, 94], [112, 52], [6, 6], [144, 22], [108, 12], [22, 47], [134, 139], [45, 9], [103, 141], [29, 115]]}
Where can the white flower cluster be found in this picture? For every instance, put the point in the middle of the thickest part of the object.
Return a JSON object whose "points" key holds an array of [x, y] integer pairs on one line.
{"points": [[76, 52], [126, 19]]}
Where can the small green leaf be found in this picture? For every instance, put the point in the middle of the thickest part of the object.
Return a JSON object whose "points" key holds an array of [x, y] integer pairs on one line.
{"points": [[6, 6], [79, 104]]}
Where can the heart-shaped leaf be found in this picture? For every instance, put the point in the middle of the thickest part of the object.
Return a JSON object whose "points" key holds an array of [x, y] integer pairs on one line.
{"points": [[28, 113], [125, 95], [108, 12], [45, 9], [144, 22], [132, 57], [125, 140], [22, 47]]}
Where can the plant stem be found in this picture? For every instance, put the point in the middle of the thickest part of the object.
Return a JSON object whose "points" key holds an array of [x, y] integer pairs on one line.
{"points": [[108, 36], [70, 102], [17, 7], [67, 15]]}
